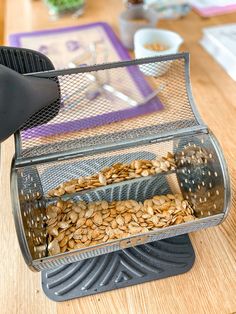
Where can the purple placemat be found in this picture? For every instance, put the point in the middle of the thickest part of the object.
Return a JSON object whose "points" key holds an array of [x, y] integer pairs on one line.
{"points": [[61, 46]]}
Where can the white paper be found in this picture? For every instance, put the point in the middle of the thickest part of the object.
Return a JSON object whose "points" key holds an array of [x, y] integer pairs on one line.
{"points": [[224, 35], [220, 42], [205, 4]]}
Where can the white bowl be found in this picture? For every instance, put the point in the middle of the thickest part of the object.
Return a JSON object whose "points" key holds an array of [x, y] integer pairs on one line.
{"points": [[163, 37]]}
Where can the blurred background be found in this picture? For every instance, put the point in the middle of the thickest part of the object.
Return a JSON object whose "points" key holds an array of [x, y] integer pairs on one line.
{"points": [[192, 20]]}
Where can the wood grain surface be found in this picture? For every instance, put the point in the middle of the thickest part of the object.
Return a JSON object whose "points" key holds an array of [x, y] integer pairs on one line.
{"points": [[210, 287], [2, 13]]}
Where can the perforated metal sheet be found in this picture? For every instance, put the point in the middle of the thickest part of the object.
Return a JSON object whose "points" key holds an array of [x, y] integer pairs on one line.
{"points": [[196, 158]]}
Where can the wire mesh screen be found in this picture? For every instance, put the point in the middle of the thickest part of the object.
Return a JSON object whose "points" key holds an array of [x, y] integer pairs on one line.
{"points": [[112, 105]]}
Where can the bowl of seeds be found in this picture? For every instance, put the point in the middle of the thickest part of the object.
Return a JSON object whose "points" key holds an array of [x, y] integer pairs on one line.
{"points": [[151, 42]]}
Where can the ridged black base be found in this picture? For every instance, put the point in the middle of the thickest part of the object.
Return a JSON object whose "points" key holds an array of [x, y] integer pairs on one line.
{"points": [[120, 269]]}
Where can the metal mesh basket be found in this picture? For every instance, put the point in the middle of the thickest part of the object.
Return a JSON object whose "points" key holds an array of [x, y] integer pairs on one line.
{"points": [[102, 122]]}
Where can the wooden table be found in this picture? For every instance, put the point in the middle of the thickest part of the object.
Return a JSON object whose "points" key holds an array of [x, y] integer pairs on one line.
{"points": [[210, 287]]}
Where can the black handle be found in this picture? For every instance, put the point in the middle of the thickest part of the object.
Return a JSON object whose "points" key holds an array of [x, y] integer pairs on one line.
{"points": [[21, 97]]}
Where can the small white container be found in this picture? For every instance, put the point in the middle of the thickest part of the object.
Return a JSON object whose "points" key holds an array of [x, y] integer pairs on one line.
{"points": [[169, 39]]}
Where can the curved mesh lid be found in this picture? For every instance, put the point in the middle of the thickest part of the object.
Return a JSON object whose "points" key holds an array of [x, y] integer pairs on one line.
{"points": [[112, 104]]}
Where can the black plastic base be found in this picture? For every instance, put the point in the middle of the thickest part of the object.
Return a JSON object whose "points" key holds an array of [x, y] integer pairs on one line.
{"points": [[156, 260]]}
